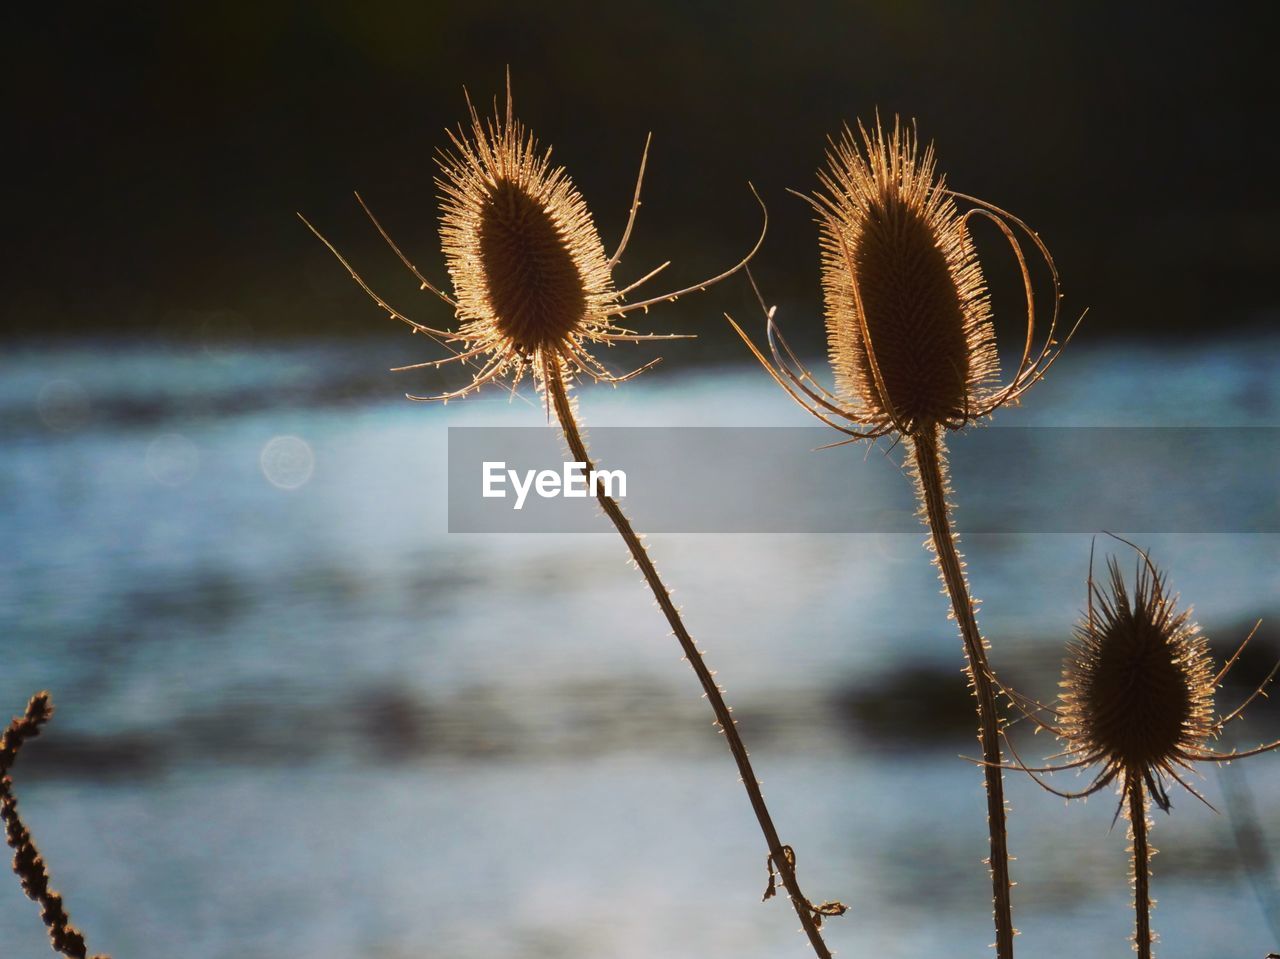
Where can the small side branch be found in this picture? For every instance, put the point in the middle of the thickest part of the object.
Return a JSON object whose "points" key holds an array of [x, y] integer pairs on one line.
{"points": [[28, 864]]}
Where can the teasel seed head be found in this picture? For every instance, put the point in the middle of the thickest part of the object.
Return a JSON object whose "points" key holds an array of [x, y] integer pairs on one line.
{"points": [[908, 317], [532, 287], [909, 323], [1138, 681], [528, 267], [1138, 689], [1137, 701]]}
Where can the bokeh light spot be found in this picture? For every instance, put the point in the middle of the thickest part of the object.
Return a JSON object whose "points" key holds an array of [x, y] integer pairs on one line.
{"points": [[287, 462]]}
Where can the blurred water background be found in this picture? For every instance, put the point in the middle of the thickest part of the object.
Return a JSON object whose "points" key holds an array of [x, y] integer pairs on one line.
{"points": [[297, 717]]}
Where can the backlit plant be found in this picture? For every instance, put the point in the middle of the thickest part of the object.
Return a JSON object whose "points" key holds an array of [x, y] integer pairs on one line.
{"points": [[911, 343], [1137, 702], [533, 290]]}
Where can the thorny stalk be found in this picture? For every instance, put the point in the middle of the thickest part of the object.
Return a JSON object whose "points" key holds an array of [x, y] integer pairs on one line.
{"points": [[781, 856], [28, 864], [931, 476], [1141, 867]]}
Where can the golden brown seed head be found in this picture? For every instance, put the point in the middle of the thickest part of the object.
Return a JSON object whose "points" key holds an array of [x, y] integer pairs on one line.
{"points": [[1138, 680], [908, 318], [533, 283], [528, 267], [532, 288]]}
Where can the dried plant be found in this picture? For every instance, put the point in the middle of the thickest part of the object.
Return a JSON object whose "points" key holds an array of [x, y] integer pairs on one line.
{"points": [[909, 324], [532, 285], [28, 864], [913, 351], [533, 290], [1137, 702]]}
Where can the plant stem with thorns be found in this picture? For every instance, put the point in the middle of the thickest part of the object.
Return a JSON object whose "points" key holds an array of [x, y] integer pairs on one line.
{"points": [[1141, 866], [930, 474], [780, 855], [28, 864]]}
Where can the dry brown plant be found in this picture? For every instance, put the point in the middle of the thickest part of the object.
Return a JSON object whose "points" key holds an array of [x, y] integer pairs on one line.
{"points": [[1137, 701], [533, 290], [912, 347], [28, 864]]}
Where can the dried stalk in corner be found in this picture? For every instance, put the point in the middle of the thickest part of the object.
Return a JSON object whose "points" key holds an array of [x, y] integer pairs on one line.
{"points": [[28, 864]]}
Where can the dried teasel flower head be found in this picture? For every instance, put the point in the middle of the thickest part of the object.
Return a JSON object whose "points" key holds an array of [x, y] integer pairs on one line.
{"points": [[528, 267], [1138, 689], [908, 317], [532, 284], [1138, 681], [1137, 702]]}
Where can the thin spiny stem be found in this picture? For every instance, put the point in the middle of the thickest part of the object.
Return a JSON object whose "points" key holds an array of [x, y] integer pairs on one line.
{"points": [[28, 864], [1141, 867], [927, 447], [779, 854]]}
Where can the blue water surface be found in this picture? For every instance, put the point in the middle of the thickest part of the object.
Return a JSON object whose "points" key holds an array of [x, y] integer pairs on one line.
{"points": [[296, 716]]}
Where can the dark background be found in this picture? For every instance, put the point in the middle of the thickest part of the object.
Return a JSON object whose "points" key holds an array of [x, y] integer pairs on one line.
{"points": [[158, 151], [298, 717]]}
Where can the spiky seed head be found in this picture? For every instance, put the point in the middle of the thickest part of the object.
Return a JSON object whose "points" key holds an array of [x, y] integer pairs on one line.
{"points": [[532, 288], [528, 267], [908, 317], [1138, 680]]}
